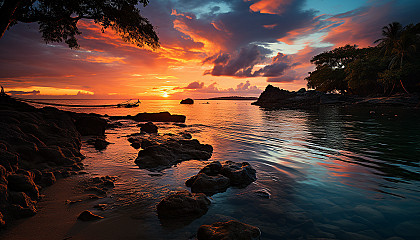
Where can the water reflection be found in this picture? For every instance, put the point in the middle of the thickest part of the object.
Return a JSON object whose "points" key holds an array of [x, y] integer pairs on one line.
{"points": [[332, 173]]}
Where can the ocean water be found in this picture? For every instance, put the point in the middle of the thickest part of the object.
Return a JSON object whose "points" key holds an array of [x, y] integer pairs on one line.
{"points": [[333, 173]]}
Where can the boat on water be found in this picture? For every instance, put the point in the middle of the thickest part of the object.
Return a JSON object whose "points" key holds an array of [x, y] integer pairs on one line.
{"points": [[129, 104]]}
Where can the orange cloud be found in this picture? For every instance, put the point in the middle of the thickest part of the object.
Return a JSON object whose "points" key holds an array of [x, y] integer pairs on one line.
{"points": [[270, 6]]}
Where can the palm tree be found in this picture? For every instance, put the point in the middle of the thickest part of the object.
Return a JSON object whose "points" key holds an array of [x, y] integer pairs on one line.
{"points": [[396, 43]]}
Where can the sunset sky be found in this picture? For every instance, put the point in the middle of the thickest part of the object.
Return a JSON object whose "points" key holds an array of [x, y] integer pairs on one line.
{"points": [[208, 49]]}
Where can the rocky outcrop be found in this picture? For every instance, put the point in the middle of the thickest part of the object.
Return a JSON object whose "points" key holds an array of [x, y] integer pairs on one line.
{"points": [[217, 177], [231, 230], [23, 183], [152, 117], [183, 204], [208, 184], [88, 216], [90, 124], [187, 101], [156, 156], [148, 127], [98, 143], [275, 98], [36, 147]]}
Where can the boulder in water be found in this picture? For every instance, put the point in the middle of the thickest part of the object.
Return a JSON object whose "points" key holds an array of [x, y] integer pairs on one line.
{"points": [[88, 216], [183, 204], [233, 230], [148, 127], [187, 101]]}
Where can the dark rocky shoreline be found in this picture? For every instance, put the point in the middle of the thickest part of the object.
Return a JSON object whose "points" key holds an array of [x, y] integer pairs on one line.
{"points": [[37, 147], [276, 98]]}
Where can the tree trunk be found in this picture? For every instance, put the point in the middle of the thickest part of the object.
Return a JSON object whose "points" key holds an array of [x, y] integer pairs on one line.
{"points": [[403, 86], [7, 14]]}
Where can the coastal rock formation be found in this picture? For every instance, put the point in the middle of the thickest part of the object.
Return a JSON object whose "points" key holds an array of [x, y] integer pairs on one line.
{"points": [[148, 127], [187, 101], [239, 174], [217, 177], [228, 230], [209, 185], [152, 117], [36, 146], [273, 97], [162, 155], [183, 204], [88, 216], [98, 143], [90, 124], [23, 183]]}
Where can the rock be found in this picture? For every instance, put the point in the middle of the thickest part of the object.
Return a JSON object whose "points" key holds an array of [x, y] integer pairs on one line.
{"points": [[183, 204], [98, 143], [187, 101], [231, 230], [146, 143], [8, 160], [23, 183], [56, 155], [171, 152], [240, 174], [109, 184], [159, 117], [2, 222], [23, 205], [217, 177], [264, 193], [148, 127], [112, 125], [209, 185], [3, 175], [212, 169], [37, 175], [91, 125], [48, 179], [154, 157], [135, 145], [186, 136], [273, 97], [88, 216], [152, 117], [96, 190], [100, 206], [39, 140]]}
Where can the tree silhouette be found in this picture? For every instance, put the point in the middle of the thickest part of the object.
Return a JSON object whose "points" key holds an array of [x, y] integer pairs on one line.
{"points": [[58, 19], [398, 43]]}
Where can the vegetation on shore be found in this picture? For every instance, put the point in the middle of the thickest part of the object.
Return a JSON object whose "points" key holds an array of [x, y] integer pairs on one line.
{"points": [[390, 67]]}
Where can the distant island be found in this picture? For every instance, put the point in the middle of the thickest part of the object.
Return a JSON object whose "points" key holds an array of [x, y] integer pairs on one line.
{"points": [[231, 98]]}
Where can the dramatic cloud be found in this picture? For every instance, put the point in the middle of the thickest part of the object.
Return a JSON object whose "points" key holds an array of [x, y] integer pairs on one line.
{"points": [[245, 89], [193, 85], [263, 40], [242, 64]]}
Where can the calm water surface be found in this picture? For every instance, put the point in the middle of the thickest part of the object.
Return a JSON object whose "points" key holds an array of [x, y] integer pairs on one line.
{"points": [[334, 173]]}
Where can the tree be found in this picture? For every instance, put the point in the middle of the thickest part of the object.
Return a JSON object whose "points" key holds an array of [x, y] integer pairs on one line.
{"points": [[329, 74], [58, 19], [362, 73], [398, 43]]}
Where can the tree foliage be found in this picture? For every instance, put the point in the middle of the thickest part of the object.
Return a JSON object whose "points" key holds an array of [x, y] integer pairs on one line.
{"points": [[373, 70], [58, 19]]}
